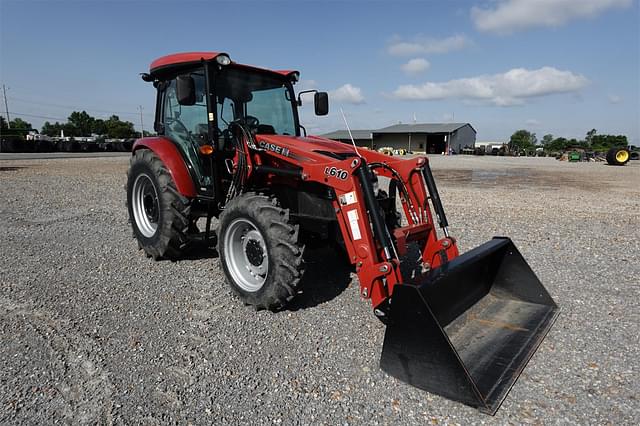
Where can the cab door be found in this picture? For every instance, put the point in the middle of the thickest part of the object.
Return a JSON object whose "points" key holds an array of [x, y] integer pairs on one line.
{"points": [[186, 126]]}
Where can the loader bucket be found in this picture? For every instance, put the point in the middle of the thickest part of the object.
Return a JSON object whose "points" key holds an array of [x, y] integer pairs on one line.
{"points": [[467, 329]]}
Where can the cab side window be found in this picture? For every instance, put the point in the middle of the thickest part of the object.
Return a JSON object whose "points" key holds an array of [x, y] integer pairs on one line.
{"points": [[187, 124]]}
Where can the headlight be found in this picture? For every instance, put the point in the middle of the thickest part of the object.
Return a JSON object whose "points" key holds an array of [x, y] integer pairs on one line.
{"points": [[223, 59]]}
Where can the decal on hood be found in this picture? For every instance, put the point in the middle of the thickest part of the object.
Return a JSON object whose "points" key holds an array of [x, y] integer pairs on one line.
{"points": [[274, 148]]}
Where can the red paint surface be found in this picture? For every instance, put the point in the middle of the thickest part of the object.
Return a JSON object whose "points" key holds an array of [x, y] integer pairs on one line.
{"points": [[172, 159], [180, 58], [189, 57]]}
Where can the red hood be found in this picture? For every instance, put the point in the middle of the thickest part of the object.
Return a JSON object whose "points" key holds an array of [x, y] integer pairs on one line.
{"points": [[309, 143]]}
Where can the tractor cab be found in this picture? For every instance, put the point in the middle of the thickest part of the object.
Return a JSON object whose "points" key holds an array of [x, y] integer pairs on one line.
{"points": [[201, 94]]}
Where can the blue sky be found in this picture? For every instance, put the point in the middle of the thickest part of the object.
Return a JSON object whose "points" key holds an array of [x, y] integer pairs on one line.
{"points": [[550, 66]]}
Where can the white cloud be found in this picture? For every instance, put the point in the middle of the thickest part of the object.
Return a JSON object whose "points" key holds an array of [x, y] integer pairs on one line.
{"points": [[416, 66], [614, 99], [348, 94], [507, 16], [532, 122], [513, 87], [426, 45]]}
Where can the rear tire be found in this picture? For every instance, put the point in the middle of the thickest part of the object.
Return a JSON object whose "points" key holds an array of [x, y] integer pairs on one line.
{"points": [[159, 214], [259, 251], [618, 156]]}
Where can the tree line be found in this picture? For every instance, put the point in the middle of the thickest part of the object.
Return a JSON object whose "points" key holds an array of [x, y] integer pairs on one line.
{"points": [[79, 123], [524, 140]]}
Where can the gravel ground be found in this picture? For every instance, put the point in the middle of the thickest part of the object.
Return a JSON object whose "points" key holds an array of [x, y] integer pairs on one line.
{"points": [[92, 331]]}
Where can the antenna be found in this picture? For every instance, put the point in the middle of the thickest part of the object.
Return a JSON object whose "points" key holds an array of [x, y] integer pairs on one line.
{"points": [[350, 135]]}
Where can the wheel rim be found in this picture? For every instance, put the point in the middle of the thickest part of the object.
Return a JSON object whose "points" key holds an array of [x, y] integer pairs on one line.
{"points": [[622, 156], [246, 255], [145, 205]]}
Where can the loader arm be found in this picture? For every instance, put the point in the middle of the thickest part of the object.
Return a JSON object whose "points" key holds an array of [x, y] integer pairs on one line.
{"points": [[371, 246]]}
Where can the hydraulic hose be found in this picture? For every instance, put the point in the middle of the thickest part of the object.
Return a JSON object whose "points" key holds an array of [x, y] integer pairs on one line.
{"points": [[379, 227], [435, 198]]}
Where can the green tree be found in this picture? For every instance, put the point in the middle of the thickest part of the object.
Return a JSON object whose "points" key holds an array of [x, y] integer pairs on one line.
{"points": [[573, 143], [546, 140], [119, 129], [522, 140], [3, 123], [556, 145], [82, 122], [51, 129], [99, 127], [19, 127], [20, 124], [604, 142]]}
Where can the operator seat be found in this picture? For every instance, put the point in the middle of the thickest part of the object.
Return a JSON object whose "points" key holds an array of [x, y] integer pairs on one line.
{"points": [[266, 129]]}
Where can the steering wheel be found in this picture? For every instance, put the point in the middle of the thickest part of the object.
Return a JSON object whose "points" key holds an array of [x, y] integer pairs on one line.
{"points": [[249, 121]]}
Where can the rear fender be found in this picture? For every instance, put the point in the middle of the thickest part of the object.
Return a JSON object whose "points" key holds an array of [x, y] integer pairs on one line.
{"points": [[168, 153]]}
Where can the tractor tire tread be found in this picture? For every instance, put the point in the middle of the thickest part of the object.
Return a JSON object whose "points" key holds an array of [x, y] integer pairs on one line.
{"points": [[286, 265], [176, 210]]}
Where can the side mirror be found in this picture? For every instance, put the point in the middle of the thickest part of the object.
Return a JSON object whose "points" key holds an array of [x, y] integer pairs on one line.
{"points": [[186, 90], [321, 103]]}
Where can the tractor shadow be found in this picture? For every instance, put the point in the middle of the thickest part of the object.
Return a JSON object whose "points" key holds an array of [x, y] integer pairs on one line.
{"points": [[200, 249], [199, 252], [326, 276]]}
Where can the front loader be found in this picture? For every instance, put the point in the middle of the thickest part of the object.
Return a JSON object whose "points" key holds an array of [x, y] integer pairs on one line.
{"points": [[230, 146]]}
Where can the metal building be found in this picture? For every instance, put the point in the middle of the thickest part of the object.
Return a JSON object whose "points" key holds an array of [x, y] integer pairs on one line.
{"points": [[431, 138], [361, 137]]}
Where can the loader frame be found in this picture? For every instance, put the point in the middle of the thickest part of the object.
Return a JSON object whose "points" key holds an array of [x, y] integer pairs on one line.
{"points": [[374, 252]]}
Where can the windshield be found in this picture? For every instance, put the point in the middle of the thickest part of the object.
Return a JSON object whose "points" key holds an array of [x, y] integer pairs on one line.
{"points": [[267, 97]]}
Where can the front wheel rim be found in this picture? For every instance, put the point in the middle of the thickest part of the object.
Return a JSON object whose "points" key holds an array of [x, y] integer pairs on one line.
{"points": [[246, 255], [145, 205]]}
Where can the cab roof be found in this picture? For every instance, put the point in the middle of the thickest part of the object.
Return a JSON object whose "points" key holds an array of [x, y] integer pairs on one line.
{"points": [[177, 59]]}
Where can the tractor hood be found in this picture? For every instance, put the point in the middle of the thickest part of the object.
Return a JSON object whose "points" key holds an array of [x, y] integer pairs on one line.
{"points": [[310, 148]]}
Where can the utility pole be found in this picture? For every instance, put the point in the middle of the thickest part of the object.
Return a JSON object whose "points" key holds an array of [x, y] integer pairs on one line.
{"points": [[6, 105], [141, 124]]}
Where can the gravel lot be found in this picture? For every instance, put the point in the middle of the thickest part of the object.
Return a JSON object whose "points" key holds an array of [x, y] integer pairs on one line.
{"points": [[92, 331]]}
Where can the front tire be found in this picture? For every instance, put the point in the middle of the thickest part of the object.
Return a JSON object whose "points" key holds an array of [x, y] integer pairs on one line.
{"points": [[259, 251], [158, 213]]}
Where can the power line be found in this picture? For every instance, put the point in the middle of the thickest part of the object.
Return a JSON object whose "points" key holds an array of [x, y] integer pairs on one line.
{"points": [[73, 107], [38, 116]]}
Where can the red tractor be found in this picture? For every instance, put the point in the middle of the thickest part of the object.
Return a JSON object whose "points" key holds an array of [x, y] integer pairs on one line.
{"points": [[230, 146]]}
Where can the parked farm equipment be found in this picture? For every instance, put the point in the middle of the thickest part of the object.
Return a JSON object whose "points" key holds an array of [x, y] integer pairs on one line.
{"points": [[619, 156]]}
